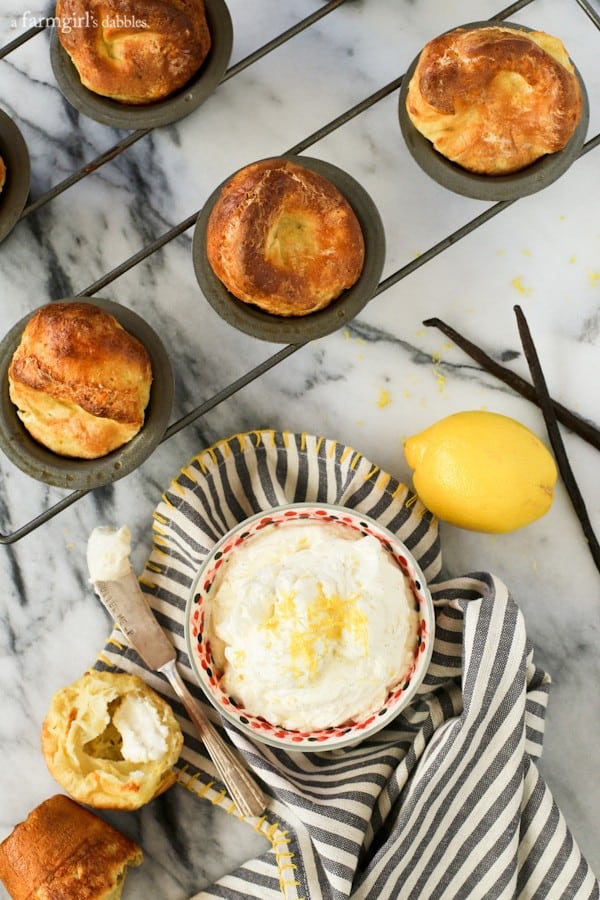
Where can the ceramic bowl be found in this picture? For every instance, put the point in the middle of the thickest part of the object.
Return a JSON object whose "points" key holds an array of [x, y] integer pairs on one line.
{"points": [[202, 661], [85, 474], [529, 180], [298, 329], [15, 192], [162, 112]]}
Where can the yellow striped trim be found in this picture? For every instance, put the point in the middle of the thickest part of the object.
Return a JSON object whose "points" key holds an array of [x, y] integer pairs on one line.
{"points": [[255, 438], [259, 823], [104, 659], [272, 831], [207, 787], [401, 488], [188, 472], [346, 452], [190, 781], [383, 479], [149, 582], [115, 643]]}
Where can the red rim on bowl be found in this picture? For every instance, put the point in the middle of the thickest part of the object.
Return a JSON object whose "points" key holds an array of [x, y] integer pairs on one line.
{"points": [[203, 665]]}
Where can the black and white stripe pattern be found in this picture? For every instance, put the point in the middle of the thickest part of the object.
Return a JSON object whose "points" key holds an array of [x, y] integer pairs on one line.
{"points": [[444, 803]]}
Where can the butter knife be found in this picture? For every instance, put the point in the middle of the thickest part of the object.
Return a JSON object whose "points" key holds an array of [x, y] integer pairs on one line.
{"points": [[125, 601]]}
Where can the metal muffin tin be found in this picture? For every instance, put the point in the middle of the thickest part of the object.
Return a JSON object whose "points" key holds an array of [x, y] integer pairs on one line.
{"points": [[298, 329], [527, 181], [15, 192], [84, 474], [162, 112]]}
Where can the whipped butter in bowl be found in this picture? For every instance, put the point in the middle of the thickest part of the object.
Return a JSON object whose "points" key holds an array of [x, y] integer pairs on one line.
{"points": [[309, 626]]}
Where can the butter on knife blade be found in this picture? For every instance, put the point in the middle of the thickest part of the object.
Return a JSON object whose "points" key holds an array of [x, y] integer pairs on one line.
{"points": [[117, 586], [115, 582]]}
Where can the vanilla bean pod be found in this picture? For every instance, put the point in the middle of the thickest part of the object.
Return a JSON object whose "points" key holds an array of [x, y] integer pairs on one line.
{"points": [[575, 423], [562, 460]]}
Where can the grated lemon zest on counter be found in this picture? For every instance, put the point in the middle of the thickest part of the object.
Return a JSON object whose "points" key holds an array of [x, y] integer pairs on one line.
{"points": [[385, 398], [518, 285]]}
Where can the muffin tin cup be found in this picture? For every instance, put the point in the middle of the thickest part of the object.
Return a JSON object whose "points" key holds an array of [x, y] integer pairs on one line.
{"points": [[15, 192], [85, 474], [298, 329], [529, 180], [162, 112]]}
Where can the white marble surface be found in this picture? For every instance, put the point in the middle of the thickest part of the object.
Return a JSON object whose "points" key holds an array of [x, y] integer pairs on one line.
{"points": [[369, 385]]}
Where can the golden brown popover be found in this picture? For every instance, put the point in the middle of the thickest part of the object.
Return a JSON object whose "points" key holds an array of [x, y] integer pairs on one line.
{"points": [[111, 741], [284, 238], [80, 382], [134, 51], [64, 851], [495, 99]]}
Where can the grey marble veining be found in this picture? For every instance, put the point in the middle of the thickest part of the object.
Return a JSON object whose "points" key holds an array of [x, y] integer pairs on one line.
{"points": [[370, 385]]}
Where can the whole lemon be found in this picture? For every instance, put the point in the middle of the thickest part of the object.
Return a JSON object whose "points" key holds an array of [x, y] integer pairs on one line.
{"points": [[482, 471]]}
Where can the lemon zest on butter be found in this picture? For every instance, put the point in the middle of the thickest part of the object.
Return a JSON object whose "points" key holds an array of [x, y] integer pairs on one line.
{"points": [[328, 616]]}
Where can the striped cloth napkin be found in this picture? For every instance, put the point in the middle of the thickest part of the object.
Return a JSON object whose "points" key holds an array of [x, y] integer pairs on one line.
{"points": [[447, 802]]}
